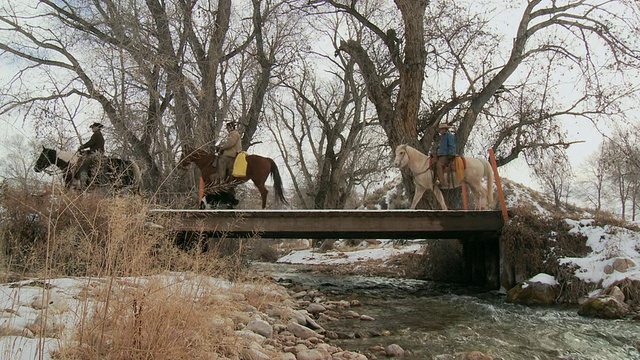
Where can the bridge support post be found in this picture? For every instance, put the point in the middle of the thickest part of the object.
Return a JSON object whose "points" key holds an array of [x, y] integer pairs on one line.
{"points": [[482, 261]]}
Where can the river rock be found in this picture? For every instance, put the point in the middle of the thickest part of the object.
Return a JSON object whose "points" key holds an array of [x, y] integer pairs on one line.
{"points": [[476, 355], [260, 327], [287, 356], [325, 317], [622, 264], [254, 352], [302, 332], [533, 293], [616, 293], [352, 314], [299, 294], [604, 307], [315, 308], [348, 355], [250, 335], [394, 350], [328, 348], [312, 354]]}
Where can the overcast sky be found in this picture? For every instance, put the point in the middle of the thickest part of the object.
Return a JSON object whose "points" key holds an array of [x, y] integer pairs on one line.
{"points": [[506, 18]]}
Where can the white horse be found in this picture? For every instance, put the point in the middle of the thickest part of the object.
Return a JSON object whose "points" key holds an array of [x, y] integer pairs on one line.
{"points": [[423, 171]]}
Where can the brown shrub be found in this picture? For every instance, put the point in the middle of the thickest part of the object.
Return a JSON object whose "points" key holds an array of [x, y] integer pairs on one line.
{"points": [[68, 234], [263, 250], [528, 240], [443, 261]]}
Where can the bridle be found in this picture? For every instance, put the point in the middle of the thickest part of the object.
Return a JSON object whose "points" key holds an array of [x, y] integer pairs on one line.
{"points": [[49, 168], [428, 166]]}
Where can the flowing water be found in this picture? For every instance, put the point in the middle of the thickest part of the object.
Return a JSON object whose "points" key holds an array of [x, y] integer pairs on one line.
{"points": [[436, 321]]}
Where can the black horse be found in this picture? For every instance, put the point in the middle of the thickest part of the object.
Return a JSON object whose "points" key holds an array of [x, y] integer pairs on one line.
{"points": [[114, 172]]}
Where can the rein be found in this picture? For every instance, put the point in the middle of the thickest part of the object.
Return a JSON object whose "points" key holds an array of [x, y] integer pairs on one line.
{"points": [[426, 162]]}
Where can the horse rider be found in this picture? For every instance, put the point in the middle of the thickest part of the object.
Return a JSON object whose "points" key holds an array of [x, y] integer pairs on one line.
{"points": [[95, 153], [227, 152], [446, 151]]}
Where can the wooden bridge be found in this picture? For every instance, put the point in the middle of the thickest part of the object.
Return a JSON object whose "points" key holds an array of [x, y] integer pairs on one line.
{"points": [[338, 224], [478, 231]]}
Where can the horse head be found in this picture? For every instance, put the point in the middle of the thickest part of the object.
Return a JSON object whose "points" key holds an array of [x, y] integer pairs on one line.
{"points": [[197, 156], [47, 158], [186, 158], [401, 159]]}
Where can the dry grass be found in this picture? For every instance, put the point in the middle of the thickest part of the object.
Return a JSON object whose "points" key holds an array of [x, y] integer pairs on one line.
{"points": [[57, 234], [179, 318], [63, 234]]}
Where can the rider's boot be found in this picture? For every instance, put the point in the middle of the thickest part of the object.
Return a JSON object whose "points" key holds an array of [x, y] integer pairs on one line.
{"points": [[439, 176]]}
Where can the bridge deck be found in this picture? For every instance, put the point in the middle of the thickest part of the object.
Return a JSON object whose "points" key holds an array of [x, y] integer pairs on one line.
{"points": [[343, 224]]}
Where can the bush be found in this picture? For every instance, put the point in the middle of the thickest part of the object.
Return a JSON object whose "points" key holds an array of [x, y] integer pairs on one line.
{"points": [[66, 234], [443, 261]]}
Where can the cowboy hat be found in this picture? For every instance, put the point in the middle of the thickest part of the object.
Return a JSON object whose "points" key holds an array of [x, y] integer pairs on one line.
{"points": [[98, 125], [443, 126]]}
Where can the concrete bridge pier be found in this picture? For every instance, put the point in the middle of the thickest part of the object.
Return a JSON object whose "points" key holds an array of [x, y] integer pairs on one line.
{"points": [[481, 256]]}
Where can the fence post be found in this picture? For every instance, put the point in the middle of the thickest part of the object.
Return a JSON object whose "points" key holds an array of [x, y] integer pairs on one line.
{"points": [[465, 204]]}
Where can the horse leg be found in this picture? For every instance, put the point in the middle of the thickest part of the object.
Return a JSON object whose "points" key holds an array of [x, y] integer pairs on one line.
{"points": [[478, 193], [417, 195], [263, 193], [438, 194]]}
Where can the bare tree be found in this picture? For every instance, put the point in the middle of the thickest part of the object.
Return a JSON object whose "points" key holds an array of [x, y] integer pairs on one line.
{"points": [[326, 137], [16, 166], [448, 37], [162, 74], [621, 155], [593, 187], [555, 175]]}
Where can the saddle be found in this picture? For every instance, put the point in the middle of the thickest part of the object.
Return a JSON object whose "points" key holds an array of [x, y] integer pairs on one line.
{"points": [[239, 166], [97, 167], [457, 165]]}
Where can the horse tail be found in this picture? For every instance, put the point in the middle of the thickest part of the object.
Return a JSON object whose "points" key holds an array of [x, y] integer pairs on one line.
{"points": [[488, 170], [137, 178], [277, 183]]}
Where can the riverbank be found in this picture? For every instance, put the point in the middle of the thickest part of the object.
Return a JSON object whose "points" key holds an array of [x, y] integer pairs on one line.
{"points": [[578, 260]]}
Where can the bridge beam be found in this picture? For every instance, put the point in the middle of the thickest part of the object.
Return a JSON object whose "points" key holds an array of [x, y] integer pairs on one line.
{"points": [[338, 224]]}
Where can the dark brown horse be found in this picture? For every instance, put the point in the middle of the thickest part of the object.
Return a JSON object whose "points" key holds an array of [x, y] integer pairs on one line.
{"points": [[114, 172], [258, 170]]}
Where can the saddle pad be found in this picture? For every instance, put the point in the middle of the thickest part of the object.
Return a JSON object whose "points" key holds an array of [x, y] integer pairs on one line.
{"points": [[240, 165], [459, 164]]}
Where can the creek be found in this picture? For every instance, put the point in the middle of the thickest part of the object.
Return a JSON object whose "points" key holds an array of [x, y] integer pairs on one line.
{"points": [[439, 321]]}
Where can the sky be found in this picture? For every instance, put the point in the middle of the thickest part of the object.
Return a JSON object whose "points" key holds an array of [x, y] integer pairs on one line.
{"points": [[505, 19]]}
